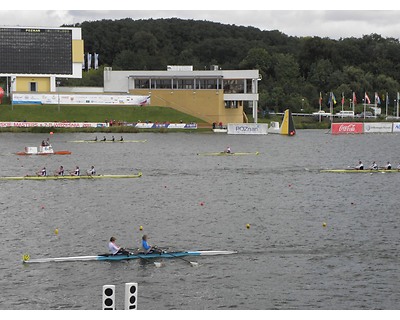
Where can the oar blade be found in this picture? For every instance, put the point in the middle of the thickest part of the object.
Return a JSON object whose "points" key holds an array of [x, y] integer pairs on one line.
{"points": [[194, 264]]}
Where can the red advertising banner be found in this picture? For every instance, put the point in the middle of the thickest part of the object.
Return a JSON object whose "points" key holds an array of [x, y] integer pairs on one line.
{"points": [[345, 128]]}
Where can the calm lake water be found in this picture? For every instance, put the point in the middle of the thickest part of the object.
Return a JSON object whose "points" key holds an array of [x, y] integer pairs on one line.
{"points": [[184, 201]]}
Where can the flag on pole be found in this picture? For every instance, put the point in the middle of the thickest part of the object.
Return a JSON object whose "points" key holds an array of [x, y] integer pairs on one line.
{"points": [[96, 61], [89, 61], [320, 98], [354, 99], [332, 99], [367, 100], [377, 99], [342, 98]]}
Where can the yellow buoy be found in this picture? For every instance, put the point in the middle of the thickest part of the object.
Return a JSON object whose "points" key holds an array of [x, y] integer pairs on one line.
{"points": [[324, 224], [248, 226], [140, 228], [56, 231]]}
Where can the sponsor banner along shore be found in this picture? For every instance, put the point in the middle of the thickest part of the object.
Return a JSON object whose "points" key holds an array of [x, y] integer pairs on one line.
{"points": [[145, 125], [24, 124], [68, 99], [396, 127], [346, 128], [365, 127], [378, 127], [247, 128]]}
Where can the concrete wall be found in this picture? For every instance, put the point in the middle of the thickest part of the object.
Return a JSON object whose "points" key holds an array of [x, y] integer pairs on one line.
{"points": [[207, 105], [42, 84]]}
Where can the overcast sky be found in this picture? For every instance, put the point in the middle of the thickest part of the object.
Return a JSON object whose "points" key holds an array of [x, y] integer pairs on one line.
{"points": [[294, 18]]}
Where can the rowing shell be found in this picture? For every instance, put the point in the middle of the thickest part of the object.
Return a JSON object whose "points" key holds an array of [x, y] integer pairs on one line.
{"points": [[62, 152], [119, 257], [228, 154], [101, 141], [359, 171], [104, 176]]}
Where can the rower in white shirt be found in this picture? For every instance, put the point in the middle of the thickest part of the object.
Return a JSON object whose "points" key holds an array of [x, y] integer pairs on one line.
{"points": [[373, 166]]}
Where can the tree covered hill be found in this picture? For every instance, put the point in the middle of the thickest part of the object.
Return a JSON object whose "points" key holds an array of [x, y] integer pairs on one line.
{"points": [[294, 69]]}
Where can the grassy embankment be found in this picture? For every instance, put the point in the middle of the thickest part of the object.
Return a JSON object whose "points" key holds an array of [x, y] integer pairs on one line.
{"points": [[70, 113]]}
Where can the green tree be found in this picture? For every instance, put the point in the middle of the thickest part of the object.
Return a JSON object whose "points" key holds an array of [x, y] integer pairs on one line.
{"points": [[320, 74], [90, 78], [258, 58]]}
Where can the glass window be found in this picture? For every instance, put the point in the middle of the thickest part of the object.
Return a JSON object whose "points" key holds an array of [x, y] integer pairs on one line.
{"points": [[232, 104], [142, 84], [183, 83], [234, 86], [208, 84], [249, 83], [161, 83]]}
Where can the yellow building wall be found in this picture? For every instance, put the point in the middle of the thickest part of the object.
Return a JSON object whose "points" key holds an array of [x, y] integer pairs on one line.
{"points": [[77, 51], [23, 84], [207, 105]]}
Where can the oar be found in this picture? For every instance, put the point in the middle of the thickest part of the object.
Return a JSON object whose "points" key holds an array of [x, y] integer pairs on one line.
{"points": [[193, 264], [157, 264]]}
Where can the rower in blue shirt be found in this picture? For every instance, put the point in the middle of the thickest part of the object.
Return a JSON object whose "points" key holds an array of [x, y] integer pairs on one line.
{"points": [[145, 246]]}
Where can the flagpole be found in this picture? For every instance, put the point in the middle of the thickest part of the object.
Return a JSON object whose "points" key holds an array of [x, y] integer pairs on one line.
{"points": [[387, 102], [320, 107], [397, 105], [365, 103], [342, 101], [331, 107]]}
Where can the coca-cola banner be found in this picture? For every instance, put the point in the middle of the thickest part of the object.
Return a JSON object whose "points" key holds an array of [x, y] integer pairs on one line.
{"points": [[378, 127], [348, 127]]}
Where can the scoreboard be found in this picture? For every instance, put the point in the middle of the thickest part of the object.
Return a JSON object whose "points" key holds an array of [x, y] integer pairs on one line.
{"points": [[36, 51]]}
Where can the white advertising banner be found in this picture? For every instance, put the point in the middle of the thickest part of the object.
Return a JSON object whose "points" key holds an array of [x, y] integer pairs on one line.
{"points": [[101, 99], [396, 127], [247, 128], [143, 125], [377, 127]]}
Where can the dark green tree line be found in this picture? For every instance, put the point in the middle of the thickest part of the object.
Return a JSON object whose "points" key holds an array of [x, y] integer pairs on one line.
{"points": [[295, 70]]}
